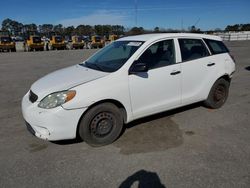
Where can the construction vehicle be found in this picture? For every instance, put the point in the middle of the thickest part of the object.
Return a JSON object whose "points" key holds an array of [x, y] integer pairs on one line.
{"points": [[97, 42], [6, 43], [57, 42], [34, 43], [76, 42], [111, 38]]}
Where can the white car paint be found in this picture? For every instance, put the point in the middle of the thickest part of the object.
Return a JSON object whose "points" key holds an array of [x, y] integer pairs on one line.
{"points": [[65, 79], [141, 95]]}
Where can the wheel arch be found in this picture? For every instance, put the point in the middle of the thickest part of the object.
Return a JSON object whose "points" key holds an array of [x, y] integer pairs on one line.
{"points": [[112, 101], [225, 77]]}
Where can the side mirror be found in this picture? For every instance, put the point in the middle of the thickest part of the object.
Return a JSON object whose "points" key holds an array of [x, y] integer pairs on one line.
{"points": [[138, 67]]}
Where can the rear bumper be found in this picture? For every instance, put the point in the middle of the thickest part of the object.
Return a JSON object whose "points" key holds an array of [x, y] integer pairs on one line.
{"points": [[50, 124]]}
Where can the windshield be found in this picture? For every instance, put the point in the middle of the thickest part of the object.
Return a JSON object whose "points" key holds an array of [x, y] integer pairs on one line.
{"points": [[114, 56], [97, 39], [5, 39], [78, 39], [37, 39], [58, 39]]}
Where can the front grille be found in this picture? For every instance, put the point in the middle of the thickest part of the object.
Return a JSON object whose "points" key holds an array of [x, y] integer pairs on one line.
{"points": [[32, 97], [30, 129]]}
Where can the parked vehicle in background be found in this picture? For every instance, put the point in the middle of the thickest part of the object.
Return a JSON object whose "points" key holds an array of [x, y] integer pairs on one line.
{"points": [[111, 38], [97, 42], [34, 43], [57, 42], [76, 42], [6, 42], [131, 78]]}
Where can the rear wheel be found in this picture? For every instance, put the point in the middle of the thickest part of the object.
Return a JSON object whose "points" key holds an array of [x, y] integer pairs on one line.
{"points": [[101, 125], [218, 94]]}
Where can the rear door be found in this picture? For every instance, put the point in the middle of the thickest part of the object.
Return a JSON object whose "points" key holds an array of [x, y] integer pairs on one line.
{"points": [[197, 69]]}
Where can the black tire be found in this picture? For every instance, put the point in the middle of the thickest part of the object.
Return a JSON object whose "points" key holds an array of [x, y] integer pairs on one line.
{"points": [[101, 125], [218, 94]]}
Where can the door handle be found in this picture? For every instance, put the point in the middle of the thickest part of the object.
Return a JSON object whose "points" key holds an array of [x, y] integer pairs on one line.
{"points": [[210, 64], [175, 72]]}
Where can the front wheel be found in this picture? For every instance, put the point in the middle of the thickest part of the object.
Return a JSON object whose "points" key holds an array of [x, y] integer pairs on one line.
{"points": [[218, 94], [101, 125]]}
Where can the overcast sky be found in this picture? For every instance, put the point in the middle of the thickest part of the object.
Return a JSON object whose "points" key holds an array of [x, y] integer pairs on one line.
{"points": [[206, 14]]}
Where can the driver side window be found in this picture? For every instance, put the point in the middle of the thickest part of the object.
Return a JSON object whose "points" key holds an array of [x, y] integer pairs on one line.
{"points": [[159, 54]]}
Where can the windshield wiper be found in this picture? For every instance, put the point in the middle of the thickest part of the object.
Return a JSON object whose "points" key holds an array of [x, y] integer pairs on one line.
{"points": [[93, 65]]}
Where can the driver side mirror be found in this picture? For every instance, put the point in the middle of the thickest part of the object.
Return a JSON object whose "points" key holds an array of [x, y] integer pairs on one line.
{"points": [[138, 67]]}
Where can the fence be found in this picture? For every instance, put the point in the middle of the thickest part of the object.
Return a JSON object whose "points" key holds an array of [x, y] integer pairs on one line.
{"points": [[234, 36]]}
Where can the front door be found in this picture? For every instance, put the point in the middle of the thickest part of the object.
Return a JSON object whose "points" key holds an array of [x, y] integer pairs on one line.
{"points": [[159, 89]]}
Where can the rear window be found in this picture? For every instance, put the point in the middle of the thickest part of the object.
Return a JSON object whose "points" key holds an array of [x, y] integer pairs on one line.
{"points": [[192, 49], [216, 47]]}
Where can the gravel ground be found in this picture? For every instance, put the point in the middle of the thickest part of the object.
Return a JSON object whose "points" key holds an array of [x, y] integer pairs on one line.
{"points": [[188, 147]]}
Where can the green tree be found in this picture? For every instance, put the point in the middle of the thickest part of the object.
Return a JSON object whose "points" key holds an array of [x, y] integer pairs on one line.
{"points": [[46, 29], [84, 30], [156, 29], [136, 31], [14, 27], [235, 27], [69, 31], [58, 29], [245, 27]]}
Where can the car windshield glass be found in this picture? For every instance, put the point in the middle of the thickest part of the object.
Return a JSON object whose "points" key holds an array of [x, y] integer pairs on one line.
{"points": [[114, 56], [5, 39], [37, 39], [78, 39], [58, 39], [97, 39]]}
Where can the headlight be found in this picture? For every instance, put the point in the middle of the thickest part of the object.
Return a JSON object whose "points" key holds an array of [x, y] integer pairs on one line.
{"points": [[56, 99]]}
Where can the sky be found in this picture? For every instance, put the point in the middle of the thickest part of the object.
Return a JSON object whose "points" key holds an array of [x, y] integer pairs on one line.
{"points": [[175, 14]]}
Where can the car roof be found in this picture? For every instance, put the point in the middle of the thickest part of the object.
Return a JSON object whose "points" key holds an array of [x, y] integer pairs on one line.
{"points": [[156, 36]]}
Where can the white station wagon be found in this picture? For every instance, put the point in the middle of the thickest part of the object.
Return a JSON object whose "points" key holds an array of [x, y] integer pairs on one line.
{"points": [[131, 78]]}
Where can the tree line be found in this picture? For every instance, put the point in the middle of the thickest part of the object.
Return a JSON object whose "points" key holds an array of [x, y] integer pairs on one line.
{"points": [[19, 29]]}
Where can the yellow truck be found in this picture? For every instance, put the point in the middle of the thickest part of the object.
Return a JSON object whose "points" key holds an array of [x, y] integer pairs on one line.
{"points": [[97, 42], [111, 38], [76, 43], [6, 43], [34, 43], [57, 42]]}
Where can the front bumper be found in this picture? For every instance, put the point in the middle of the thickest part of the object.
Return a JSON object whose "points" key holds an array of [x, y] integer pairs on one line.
{"points": [[36, 46], [77, 45], [59, 45], [50, 124], [7, 46]]}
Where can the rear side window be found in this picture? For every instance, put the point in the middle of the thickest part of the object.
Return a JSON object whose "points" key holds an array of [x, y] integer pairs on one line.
{"points": [[192, 49], [216, 47]]}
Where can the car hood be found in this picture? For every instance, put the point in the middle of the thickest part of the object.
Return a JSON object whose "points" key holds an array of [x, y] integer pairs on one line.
{"points": [[64, 79]]}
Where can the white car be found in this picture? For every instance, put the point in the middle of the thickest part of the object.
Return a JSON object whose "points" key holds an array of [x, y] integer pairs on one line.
{"points": [[131, 78]]}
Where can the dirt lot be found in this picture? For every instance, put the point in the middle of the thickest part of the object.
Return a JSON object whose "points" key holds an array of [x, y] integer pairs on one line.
{"points": [[187, 147]]}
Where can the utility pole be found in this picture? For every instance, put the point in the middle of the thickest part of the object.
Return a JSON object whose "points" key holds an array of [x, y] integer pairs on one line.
{"points": [[136, 11], [182, 29]]}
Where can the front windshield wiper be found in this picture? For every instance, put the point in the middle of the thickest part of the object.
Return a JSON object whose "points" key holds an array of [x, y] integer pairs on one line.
{"points": [[93, 65]]}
